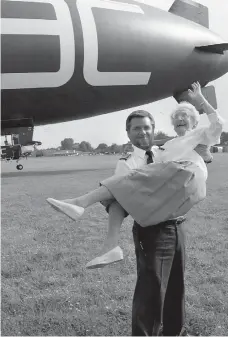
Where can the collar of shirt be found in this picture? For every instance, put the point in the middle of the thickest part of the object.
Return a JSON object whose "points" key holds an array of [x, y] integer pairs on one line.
{"points": [[142, 153]]}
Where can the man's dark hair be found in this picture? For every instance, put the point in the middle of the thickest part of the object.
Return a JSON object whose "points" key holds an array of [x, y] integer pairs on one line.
{"points": [[138, 114]]}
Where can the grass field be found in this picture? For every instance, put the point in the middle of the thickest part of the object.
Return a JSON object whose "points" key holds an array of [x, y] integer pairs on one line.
{"points": [[46, 290]]}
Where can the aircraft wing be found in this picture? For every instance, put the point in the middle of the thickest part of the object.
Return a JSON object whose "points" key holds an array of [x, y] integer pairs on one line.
{"points": [[192, 11], [161, 4], [187, 9]]}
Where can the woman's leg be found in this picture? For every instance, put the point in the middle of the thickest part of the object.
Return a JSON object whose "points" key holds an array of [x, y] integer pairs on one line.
{"points": [[115, 220], [74, 208], [90, 198], [111, 252]]}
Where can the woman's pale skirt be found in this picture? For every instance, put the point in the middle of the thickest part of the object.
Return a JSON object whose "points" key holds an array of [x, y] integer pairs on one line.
{"points": [[158, 192]]}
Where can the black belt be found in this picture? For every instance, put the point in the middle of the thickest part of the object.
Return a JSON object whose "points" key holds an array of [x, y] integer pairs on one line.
{"points": [[176, 221]]}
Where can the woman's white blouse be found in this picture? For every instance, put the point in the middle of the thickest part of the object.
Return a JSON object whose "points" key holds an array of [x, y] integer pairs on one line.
{"points": [[182, 148]]}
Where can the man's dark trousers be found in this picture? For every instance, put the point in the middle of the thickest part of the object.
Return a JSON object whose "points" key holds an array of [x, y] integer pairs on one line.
{"points": [[158, 303]]}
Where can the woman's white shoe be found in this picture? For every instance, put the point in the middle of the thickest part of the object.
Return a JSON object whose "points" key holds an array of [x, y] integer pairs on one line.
{"points": [[72, 211], [114, 255]]}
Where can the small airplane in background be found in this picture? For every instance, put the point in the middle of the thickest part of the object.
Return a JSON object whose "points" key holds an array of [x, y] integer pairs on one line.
{"points": [[19, 147], [73, 59]]}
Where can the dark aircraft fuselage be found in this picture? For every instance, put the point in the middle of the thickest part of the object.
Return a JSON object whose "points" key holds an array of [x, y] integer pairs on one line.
{"points": [[67, 60]]}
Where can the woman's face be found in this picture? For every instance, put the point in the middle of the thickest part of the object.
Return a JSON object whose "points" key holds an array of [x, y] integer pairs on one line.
{"points": [[182, 122]]}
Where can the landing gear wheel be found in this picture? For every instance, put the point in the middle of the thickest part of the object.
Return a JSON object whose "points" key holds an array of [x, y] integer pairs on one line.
{"points": [[19, 167]]}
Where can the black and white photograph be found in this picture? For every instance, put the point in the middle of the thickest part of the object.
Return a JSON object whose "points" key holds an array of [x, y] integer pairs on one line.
{"points": [[114, 167]]}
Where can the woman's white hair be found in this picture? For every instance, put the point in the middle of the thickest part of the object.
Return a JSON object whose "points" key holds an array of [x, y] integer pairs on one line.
{"points": [[189, 109]]}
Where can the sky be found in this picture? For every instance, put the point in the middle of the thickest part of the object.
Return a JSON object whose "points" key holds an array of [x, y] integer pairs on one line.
{"points": [[110, 128]]}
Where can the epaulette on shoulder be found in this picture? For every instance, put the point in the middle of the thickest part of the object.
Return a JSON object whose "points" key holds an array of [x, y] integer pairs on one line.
{"points": [[161, 148], [125, 157]]}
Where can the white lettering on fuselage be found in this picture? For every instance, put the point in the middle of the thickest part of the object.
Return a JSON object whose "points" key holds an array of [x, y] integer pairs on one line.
{"points": [[64, 29], [91, 74]]}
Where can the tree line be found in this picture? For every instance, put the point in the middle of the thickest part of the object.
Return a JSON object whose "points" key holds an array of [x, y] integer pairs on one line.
{"points": [[68, 144], [84, 146]]}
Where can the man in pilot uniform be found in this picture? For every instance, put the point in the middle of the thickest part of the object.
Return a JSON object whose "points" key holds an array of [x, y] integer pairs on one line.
{"points": [[158, 303]]}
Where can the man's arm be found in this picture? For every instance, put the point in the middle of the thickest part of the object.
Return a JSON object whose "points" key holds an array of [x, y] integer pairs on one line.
{"points": [[122, 167]]}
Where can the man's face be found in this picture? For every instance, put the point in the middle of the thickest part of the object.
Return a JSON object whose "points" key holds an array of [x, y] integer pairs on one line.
{"points": [[141, 132], [182, 122]]}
